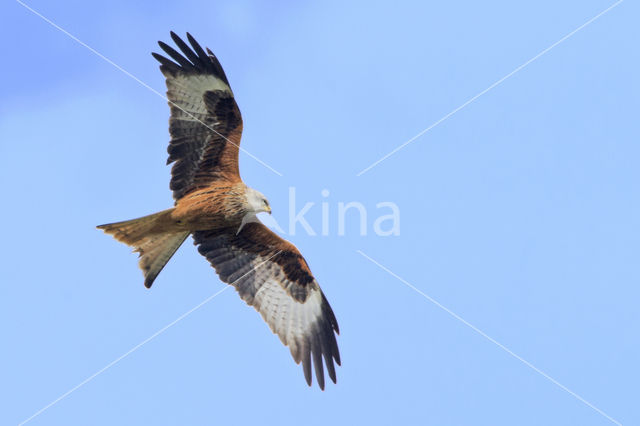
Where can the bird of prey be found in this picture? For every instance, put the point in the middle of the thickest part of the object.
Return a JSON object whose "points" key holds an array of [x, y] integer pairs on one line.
{"points": [[212, 204]]}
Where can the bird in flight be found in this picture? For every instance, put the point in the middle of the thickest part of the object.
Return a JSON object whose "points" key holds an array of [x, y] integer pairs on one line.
{"points": [[212, 204]]}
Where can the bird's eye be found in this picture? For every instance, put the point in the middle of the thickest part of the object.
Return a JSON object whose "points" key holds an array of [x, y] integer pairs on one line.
{"points": [[265, 202]]}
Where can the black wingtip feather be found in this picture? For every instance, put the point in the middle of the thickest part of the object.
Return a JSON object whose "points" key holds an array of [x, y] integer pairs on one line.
{"points": [[149, 282], [331, 369], [198, 49], [316, 349], [186, 50], [306, 365], [162, 59], [165, 64], [176, 56]]}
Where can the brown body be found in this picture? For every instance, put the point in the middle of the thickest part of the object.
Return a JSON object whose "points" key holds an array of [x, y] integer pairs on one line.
{"points": [[220, 205]]}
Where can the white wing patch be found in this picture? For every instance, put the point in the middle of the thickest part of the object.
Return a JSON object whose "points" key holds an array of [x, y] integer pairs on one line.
{"points": [[291, 320], [187, 91]]}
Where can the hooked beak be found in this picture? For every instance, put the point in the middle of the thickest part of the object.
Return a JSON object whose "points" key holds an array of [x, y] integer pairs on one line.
{"points": [[269, 209]]}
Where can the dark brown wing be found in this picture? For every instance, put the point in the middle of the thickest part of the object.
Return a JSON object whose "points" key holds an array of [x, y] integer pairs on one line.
{"points": [[270, 274], [205, 123]]}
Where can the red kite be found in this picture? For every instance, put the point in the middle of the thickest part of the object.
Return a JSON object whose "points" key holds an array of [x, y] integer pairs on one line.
{"points": [[212, 204]]}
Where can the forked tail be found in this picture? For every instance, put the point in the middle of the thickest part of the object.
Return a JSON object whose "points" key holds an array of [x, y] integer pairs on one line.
{"points": [[153, 236]]}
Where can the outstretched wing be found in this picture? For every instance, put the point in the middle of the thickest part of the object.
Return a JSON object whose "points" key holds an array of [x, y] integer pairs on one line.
{"points": [[205, 123], [271, 275]]}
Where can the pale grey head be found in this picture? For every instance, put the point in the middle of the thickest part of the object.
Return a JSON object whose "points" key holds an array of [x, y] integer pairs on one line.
{"points": [[256, 201]]}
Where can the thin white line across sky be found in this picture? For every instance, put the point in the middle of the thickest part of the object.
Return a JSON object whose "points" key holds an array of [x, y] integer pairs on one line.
{"points": [[489, 338], [121, 357], [100, 55], [363, 171], [139, 345]]}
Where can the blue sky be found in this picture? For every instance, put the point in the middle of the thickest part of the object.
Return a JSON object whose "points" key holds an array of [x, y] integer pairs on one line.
{"points": [[520, 213]]}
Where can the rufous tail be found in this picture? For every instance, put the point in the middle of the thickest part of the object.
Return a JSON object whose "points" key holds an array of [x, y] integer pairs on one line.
{"points": [[154, 237]]}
